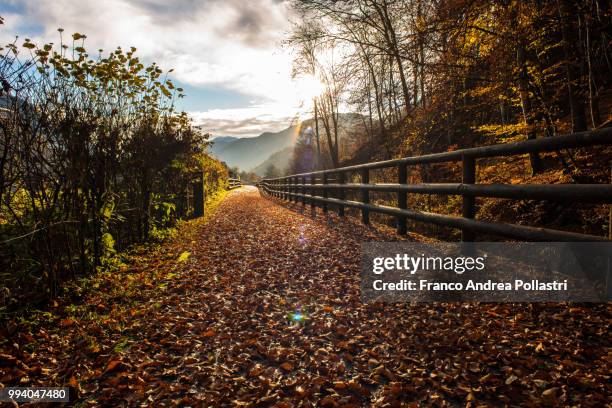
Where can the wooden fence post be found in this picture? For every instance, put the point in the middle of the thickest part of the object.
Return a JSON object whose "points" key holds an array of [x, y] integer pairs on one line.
{"points": [[324, 206], [288, 189], [313, 205], [303, 191], [610, 215], [468, 202], [183, 203], [294, 189], [341, 195], [199, 196], [365, 196], [402, 201], [609, 272]]}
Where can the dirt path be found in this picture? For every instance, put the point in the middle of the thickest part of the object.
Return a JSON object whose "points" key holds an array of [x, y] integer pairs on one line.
{"points": [[266, 312]]}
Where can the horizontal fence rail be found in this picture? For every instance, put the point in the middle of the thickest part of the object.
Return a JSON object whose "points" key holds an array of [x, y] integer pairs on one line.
{"points": [[233, 183], [316, 187]]}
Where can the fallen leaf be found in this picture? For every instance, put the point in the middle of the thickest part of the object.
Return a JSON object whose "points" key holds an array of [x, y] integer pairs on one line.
{"points": [[511, 379], [209, 333], [73, 382], [255, 371], [184, 256], [114, 365], [7, 360]]}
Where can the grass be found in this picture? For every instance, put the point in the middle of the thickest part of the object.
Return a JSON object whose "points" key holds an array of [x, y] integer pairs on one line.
{"points": [[116, 289]]}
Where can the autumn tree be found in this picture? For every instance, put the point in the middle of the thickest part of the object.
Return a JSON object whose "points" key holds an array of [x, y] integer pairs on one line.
{"points": [[427, 76], [88, 145]]}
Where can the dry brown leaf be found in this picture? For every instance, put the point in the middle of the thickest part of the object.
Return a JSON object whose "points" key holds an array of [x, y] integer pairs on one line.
{"points": [[440, 352], [7, 360], [114, 365], [511, 379], [209, 333], [73, 382]]}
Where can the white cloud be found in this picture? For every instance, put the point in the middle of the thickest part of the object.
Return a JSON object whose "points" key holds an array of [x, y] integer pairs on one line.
{"points": [[246, 122], [228, 42], [232, 44], [217, 42]]}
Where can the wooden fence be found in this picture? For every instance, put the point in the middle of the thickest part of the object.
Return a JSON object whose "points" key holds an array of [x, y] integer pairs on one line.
{"points": [[315, 188], [233, 183]]}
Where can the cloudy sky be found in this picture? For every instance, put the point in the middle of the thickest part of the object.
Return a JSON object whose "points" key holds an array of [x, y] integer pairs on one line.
{"points": [[226, 54]]}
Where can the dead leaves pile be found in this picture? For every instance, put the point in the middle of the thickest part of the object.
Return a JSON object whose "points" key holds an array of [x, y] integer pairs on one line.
{"points": [[265, 311]]}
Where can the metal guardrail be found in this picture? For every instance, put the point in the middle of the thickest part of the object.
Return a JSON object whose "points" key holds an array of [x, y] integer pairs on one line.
{"points": [[315, 188], [233, 183]]}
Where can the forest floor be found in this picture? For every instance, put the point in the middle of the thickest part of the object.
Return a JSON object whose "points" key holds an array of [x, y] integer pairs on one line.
{"points": [[258, 305]]}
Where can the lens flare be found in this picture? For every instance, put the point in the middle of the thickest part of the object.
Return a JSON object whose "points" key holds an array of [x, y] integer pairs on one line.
{"points": [[298, 317], [308, 87], [302, 239]]}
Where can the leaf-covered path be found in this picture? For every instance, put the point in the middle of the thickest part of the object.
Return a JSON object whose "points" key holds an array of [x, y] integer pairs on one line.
{"points": [[266, 312]]}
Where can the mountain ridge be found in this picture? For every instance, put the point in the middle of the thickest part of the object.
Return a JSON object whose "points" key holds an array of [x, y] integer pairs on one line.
{"points": [[254, 154], [220, 142], [248, 153], [279, 159]]}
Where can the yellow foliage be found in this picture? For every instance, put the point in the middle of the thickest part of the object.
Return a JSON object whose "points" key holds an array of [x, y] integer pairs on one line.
{"points": [[184, 256]]}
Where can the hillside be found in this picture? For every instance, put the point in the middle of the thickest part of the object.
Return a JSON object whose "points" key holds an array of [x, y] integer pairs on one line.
{"points": [[247, 153], [221, 142], [279, 159], [256, 153]]}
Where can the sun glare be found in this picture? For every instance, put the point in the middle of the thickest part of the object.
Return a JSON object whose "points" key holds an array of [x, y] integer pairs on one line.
{"points": [[308, 87]]}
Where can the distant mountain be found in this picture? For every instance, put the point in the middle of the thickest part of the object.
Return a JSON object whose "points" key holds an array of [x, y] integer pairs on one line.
{"points": [[247, 153], [280, 160], [219, 143], [224, 139], [256, 153]]}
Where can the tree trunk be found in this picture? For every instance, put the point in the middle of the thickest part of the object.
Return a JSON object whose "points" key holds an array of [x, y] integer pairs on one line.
{"points": [[377, 100], [391, 40], [334, 113], [415, 88], [421, 46], [330, 145], [523, 85], [370, 120], [577, 114], [422, 70], [593, 95], [316, 118]]}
